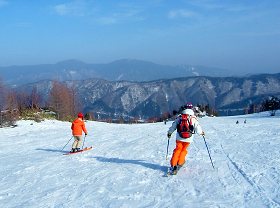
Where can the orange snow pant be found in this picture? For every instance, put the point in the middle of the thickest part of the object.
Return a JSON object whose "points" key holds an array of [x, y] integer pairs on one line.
{"points": [[179, 153]]}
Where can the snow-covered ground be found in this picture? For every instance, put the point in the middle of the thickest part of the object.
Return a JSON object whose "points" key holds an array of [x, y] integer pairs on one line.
{"points": [[126, 166]]}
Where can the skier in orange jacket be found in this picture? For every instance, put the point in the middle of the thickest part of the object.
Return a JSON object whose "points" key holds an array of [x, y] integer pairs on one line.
{"points": [[78, 127]]}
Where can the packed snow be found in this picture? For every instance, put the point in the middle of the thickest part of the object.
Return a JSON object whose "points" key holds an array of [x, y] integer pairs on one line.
{"points": [[127, 165]]}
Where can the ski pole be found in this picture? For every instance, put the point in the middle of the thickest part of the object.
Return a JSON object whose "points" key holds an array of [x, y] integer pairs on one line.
{"points": [[167, 148], [66, 144], [208, 151], [84, 142]]}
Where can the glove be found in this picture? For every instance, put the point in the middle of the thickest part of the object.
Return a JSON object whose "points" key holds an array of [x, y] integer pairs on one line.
{"points": [[168, 135], [86, 134], [203, 133]]}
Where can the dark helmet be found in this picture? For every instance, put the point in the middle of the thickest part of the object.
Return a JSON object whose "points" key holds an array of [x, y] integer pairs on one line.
{"points": [[189, 106]]}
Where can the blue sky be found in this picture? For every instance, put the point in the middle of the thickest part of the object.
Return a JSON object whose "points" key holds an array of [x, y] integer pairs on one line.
{"points": [[241, 35]]}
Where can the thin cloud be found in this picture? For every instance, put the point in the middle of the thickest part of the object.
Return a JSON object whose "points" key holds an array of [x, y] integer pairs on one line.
{"points": [[3, 3], [181, 13], [119, 13], [118, 18], [122, 15], [207, 4], [107, 20], [74, 8], [61, 9], [218, 5]]}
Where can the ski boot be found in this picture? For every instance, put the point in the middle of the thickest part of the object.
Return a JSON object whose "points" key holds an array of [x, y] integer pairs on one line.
{"points": [[73, 150], [179, 166], [78, 149], [173, 170]]}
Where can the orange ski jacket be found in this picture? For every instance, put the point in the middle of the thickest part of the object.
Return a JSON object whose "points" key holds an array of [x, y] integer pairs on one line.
{"points": [[78, 126]]}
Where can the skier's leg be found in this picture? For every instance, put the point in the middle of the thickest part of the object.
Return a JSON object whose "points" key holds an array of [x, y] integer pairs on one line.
{"points": [[76, 144], [176, 154], [183, 153], [79, 142]]}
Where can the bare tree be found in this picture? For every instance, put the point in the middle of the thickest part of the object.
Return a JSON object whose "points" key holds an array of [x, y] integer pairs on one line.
{"points": [[76, 105], [12, 107], [2, 95], [62, 100], [22, 101], [8, 106], [2, 102], [35, 99]]}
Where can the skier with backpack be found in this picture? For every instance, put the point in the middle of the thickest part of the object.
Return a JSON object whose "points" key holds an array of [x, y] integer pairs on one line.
{"points": [[186, 125], [78, 127]]}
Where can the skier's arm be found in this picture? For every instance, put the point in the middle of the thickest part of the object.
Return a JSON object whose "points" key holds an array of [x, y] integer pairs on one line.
{"points": [[173, 127], [197, 127]]}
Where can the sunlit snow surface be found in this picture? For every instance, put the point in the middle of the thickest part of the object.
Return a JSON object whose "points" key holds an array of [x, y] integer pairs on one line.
{"points": [[126, 166]]}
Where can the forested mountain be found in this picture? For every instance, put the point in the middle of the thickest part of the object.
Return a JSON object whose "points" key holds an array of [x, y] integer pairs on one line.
{"points": [[147, 99]]}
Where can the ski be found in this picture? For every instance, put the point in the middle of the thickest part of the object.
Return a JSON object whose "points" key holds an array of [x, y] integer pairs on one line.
{"points": [[82, 150]]}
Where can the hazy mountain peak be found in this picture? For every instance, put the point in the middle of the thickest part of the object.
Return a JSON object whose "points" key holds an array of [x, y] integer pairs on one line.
{"points": [[122, 69], [132, 61], [71, 63]]}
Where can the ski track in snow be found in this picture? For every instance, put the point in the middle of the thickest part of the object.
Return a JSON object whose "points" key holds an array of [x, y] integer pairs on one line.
{"points": [[126, 166]]}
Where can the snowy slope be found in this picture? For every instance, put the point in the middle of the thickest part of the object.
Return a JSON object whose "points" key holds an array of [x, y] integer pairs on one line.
{"points": [[125, 168]]}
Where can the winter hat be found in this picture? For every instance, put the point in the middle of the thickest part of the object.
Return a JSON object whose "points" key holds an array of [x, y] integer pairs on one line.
{"points": [[80, 115], [189, 106], [188, 112]]}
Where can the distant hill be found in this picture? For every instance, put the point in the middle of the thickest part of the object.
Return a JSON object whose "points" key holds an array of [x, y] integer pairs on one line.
{"points": [[147, 99], [125, 69]]}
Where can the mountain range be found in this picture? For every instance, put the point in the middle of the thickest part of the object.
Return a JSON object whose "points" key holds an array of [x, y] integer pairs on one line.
{"points": [[124, 69], [152, 98], [136, 88]]}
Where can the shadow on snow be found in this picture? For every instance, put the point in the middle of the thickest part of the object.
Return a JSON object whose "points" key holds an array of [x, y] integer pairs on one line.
{"points": [[52, 150], [135, 162]]}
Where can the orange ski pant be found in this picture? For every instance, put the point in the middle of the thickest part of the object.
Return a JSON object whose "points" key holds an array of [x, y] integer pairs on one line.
{"points": [[179, 153]]}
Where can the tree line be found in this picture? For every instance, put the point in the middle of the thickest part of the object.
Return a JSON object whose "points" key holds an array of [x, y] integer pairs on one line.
{"points": [[61, 103], [271, 104]]}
